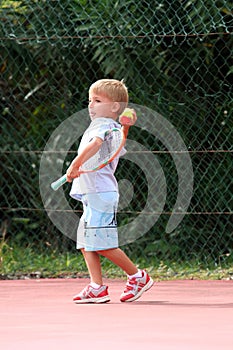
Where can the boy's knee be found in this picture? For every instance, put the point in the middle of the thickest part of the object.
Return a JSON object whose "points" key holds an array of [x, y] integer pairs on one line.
{"points": [[105, 252]]}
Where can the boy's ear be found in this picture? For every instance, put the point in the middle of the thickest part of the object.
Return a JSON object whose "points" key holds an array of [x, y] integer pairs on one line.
{"points": [[116, 107]]}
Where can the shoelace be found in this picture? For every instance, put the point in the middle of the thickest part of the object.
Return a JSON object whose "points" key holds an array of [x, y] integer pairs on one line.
{"points": [[130, 283], [85, 291]]}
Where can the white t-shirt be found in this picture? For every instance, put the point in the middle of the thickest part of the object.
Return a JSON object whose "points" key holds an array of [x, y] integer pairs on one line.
{"points": [[102, 180]]}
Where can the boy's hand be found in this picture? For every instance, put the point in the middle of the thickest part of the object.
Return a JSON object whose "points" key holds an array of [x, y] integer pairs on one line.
{"points": [[128, 117], [72, 173]]}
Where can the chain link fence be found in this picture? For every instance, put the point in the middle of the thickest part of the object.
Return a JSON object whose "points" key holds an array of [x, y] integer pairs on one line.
{"points": [[175, 58]]}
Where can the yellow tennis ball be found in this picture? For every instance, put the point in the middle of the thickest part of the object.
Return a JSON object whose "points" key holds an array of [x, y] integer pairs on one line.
{"points": [[127, 116], [128, 113]]}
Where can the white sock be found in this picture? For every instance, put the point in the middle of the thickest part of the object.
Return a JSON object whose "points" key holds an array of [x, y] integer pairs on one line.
{"points": [[136, 275], [95, 285]]}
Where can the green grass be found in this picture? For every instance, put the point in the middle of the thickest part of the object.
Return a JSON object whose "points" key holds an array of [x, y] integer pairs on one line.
{"points": [[27, 262]]}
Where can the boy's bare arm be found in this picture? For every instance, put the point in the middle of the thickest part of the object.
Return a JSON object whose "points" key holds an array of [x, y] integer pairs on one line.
{"points": [[90, 150]]}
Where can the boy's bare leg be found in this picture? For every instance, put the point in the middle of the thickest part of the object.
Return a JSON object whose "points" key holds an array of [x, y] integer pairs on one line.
{"points": [[119, 258], [92, 260]]}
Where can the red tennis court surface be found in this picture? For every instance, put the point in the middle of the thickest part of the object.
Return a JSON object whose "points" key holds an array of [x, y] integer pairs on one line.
{"points": [[40, 314]]}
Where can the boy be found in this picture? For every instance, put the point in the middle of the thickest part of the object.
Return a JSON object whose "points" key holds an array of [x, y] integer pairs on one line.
{"points": [[98, 191]]}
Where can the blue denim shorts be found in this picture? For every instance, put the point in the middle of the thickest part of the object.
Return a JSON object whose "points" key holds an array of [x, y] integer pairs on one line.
{"points": [[97, 228]]}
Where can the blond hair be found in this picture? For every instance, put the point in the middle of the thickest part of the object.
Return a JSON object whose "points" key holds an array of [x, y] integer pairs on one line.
{"points": [[114, 89]]}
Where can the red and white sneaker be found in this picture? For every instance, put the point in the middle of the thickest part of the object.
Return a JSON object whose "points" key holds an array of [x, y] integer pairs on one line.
{"points": [[92, 295], [135, 287]]}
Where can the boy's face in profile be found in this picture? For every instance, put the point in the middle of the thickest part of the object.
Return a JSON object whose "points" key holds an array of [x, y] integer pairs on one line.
{"points": [[101, 106]]}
